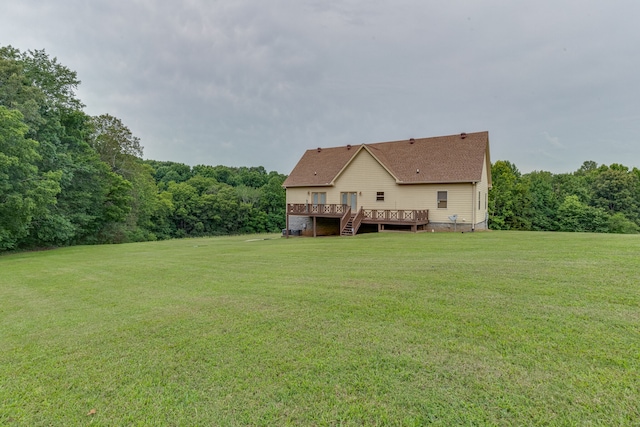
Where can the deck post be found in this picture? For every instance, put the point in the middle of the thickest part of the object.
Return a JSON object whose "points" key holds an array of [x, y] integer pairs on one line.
{"points": [[314, 226], [287, 229]]}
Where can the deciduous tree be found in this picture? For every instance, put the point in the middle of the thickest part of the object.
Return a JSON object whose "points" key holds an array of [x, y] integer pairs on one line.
{"points": [[115, 144], [24, 191]]}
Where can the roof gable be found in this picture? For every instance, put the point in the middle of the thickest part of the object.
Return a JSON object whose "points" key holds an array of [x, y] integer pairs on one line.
{"points": [[443, 159], [363, 147], [320, 167]]}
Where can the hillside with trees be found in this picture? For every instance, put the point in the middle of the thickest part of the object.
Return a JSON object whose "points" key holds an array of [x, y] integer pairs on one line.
{"points": [[603, 199], [68, 178]]}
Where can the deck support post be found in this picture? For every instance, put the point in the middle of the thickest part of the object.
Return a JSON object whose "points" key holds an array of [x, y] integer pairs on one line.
{"points": [[314, 226]]}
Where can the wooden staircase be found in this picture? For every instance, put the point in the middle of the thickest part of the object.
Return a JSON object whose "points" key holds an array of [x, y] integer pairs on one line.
{"points": [[347, 230], [351, 223]]}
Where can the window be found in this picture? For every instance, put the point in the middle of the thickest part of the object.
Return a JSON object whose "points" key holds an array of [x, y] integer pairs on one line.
{"points": [[319, 198], [380, 196], [350, 199], [442, 199]]}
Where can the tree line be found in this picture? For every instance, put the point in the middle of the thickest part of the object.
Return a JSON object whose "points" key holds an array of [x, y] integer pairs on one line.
{"points": [[595, 198], [68, 178]]}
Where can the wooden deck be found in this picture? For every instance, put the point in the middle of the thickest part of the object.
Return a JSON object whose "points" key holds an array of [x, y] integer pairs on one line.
{"points": [[326, 210], [351, 221]]}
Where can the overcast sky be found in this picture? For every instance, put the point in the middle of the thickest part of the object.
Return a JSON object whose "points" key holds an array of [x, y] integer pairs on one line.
{"points": [[249, 82]]}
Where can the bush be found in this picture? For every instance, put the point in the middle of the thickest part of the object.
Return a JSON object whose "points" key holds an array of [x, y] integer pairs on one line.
{"points": [[618, 223]]}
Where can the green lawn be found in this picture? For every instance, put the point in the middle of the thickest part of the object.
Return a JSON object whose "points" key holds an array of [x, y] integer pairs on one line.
{"points": [[497, 328]]}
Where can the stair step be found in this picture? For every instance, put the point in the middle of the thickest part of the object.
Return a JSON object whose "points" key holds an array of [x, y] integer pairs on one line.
{"points": [[348, 228]]}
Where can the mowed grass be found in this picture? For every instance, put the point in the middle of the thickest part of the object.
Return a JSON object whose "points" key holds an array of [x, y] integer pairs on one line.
{"points": [[495, 328]]}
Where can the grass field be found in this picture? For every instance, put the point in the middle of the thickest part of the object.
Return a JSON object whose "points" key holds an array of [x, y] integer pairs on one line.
{"points": [[498, 328]]}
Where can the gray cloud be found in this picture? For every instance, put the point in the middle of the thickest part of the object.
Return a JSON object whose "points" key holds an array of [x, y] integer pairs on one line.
{"points": [[254, 83]]}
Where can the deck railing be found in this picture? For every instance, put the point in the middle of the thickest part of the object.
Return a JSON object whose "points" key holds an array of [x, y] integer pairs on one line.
{"points": [[316, 209], [345, 218], [422, 215], [373, 215], [396, 215]]}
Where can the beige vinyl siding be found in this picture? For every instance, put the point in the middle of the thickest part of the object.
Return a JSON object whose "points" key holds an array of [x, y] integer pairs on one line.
{"points": [[458, 202], [367, 177], [364, 175], [483, 188], [303, 194]]}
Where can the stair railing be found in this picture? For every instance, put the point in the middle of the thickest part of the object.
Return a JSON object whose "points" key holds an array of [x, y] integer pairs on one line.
{"points": [[357, 221], [345, 219]]}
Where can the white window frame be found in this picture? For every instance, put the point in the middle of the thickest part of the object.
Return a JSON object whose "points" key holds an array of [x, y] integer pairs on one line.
{"points": [[440, 200]]}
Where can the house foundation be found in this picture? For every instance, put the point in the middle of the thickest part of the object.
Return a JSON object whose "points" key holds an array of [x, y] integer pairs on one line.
{"points": [[458, 227]]}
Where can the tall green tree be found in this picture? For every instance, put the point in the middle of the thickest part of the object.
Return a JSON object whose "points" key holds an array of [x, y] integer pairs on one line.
{"points": [[16, 90], [91, 198], [572, 184], [543, 203], [115, 144], [508, 199], [273, 202], [122, 151], [185, 201], [24, 191], [615, 190]]}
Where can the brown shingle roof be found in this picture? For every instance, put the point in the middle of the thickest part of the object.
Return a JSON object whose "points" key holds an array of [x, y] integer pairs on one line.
{"points": [[442, 159]]}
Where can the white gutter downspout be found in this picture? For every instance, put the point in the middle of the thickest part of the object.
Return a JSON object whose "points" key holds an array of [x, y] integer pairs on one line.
{"points": [[473, 206]]}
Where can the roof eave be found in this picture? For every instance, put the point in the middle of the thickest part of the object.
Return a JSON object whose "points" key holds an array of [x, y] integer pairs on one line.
{"points": [[464, 181], [307, 185]]}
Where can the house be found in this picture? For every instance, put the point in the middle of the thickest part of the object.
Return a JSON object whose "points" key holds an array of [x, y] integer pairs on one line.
{"points": [[425, 184]]}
